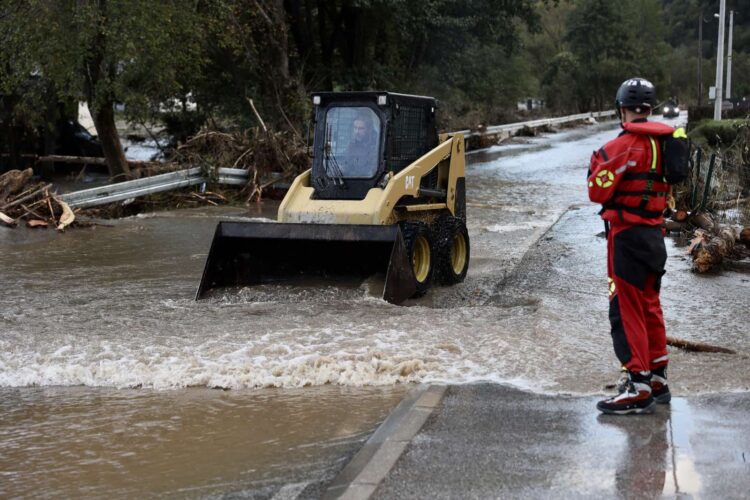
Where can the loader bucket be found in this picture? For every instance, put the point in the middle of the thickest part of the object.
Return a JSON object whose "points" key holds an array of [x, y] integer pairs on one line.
{"points": [[251, 253]]}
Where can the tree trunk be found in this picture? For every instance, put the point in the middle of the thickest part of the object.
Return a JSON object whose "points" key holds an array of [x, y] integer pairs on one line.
{"points": [[326, 46], [104, 121], [709, 251]]}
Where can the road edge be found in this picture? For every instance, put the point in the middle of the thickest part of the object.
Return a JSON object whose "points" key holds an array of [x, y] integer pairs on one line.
{"points": [[362, 475]]}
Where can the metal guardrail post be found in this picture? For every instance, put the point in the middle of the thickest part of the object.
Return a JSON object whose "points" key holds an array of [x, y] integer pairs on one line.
{"points": [[708, 180], [697, 177]]}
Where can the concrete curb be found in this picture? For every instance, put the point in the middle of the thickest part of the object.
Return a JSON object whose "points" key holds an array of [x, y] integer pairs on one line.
{"points": [[361, 477]]}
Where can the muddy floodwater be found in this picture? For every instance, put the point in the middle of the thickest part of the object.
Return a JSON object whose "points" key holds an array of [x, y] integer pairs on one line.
{"points": [[115, 382]]}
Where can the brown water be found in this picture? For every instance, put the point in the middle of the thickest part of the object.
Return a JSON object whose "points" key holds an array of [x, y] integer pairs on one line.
{"points": [[107, 364], [73, 442]]}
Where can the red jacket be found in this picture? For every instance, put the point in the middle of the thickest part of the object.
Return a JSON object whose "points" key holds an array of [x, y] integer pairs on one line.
{"points": [[626, 175]]}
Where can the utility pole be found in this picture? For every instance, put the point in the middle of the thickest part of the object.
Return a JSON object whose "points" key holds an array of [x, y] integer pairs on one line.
{"points": [[700, 59], [720, 61], [729, 56]]}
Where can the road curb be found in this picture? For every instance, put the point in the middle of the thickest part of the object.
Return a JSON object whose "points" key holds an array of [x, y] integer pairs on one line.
{"points": [[362, 475]]}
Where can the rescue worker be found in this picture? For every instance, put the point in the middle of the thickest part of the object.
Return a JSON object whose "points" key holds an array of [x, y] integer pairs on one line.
{"points": [[626, 177]]}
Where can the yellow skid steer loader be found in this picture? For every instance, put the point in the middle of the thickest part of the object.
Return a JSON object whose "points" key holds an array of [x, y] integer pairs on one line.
{"points": [[384, 194]]}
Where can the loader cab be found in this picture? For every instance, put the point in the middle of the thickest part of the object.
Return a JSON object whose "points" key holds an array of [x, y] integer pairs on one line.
{"points": [[362, 136]]}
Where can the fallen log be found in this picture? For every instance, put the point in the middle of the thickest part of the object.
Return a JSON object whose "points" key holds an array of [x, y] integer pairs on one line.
{"points": [[692, 346], [703, 221], [89, 160], [723, 205], [709, 251], [81, 160]]}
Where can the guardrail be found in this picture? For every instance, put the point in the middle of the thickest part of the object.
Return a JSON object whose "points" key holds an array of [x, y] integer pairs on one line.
{"points": [[149, 185], [510, 128], [239, 177]]}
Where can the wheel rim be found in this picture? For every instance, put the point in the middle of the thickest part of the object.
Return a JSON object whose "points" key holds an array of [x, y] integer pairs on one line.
{"points": [[458, 254], [420, 259]]}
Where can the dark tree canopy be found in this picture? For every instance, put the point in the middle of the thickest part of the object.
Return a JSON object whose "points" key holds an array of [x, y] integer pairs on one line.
{"points": [[479, 57]]}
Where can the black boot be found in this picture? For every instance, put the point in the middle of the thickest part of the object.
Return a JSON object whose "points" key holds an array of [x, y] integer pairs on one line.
{"points": [[659, 387], [635, 398]]}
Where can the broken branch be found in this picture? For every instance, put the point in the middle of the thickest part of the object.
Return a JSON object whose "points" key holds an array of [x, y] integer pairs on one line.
{"points": [[697, 346]]}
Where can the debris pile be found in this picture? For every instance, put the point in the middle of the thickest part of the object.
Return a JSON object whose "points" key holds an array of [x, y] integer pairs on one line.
{"points": [[268, 156], [22, 199], [711, 243]]}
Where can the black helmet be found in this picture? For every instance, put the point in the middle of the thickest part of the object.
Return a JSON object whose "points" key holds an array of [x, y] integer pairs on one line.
{"points": [[637, 94]]}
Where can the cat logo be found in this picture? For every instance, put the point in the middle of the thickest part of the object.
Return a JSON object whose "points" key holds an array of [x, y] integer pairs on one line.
{"points": [[409, 182], [605, 178]]}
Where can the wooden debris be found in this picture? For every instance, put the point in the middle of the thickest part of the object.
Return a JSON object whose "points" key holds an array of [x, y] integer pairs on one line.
{"points": [[702, 220], [67, 216], [262, 152], [204, 198], [24, 199], [18, 201], [696, 346], [84, 160], [257, 115], [708, 251], [12, 182], [8, 221], [709, 248]]}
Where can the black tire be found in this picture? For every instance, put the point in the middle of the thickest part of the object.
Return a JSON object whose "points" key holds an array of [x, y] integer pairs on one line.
{"points": [[453, 250], [419, 248]]}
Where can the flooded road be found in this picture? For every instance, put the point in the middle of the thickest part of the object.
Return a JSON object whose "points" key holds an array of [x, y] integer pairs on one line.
{"points": [[77, 442], [103, 351]]}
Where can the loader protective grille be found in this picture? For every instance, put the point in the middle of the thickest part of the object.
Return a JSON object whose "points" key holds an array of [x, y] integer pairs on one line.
{"points": [[409, 138]]}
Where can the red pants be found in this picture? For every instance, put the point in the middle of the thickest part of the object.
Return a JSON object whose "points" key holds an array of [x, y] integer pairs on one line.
{"points": [[636, 256]]}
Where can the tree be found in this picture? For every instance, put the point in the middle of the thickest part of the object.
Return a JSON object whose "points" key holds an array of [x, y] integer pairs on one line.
{"points": [[105, 52]]}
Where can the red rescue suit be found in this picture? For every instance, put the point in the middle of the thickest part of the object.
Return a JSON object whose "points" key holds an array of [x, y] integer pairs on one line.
{"points": [[626, 177]]}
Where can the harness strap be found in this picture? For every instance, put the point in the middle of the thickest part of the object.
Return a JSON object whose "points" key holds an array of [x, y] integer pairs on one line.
{"points": [[649, 214], [643, 176], [650, 182], [640, 193]]}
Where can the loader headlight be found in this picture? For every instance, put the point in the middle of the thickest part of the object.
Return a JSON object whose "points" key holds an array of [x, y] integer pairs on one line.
{"points": [[316, 100], [677, 109], [666, 109], [382, 100]]}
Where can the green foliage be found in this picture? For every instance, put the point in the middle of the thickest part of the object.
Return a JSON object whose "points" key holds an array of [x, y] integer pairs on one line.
{"points": [[136, 52], [477, 56], [718, 134]]}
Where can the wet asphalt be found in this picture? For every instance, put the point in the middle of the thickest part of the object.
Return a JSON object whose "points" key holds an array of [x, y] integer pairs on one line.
{"points": [[493, 441]]}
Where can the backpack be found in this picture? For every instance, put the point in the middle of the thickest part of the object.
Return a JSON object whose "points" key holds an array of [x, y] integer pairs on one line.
{"points": [[675, 154]]}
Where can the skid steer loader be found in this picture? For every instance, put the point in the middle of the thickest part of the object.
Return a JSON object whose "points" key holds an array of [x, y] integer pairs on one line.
{"points": [[384, 194]]}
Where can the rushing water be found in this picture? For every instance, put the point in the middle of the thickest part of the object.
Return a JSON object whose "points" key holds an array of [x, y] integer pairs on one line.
{"points": [[106, 360]]}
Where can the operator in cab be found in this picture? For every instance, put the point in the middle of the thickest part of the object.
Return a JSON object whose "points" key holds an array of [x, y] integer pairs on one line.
{"points": [[362, 152]]}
